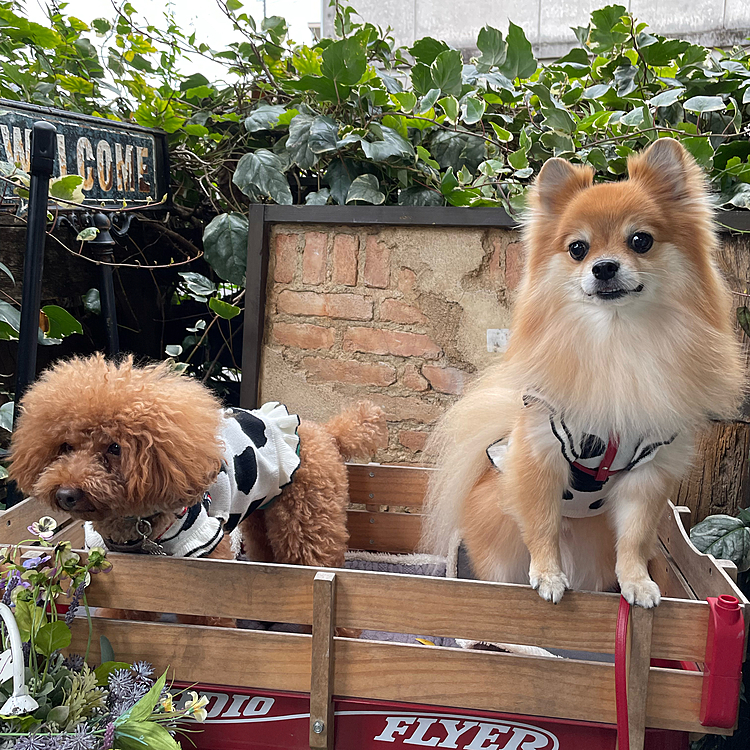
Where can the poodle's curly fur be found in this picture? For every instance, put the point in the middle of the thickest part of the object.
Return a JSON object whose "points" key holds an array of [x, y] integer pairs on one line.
{"points": [[142, 442]]}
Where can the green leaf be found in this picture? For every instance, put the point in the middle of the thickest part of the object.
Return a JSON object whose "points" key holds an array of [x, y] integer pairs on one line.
{"points": [[701, 149], [558, 143], [605, 28], [67, 188], [10, 321], [7, 271], [6, 416], [427, 102], [625, 79], [324, 134], [425, 156], [103, 671], [702, 104], [391, 146], [261, 171], [448, 182], [143, 735], [298, 144], [503, 135], [344, 62], [519, 61], [52, 637], [233, 5], [105, 648], [319, 198], [558, 119], [725, 538], [225, 246], [666, 98], [87, 234], [494, 50], [223, 309], [450, 107], [406, 100], [173, 350], [743, 318], [518, 159], [264, 117], [58, 715], [427, 49], [199, 287], [142, 710], [597, 91], [101, 26], [61, 322], [29, 618], [195, 129], [421, 79], [365, 188], [417, 196], [447, 72], [472, 110]]}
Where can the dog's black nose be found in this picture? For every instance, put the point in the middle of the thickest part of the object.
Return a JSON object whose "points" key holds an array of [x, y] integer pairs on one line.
{"points": [[67, 497], [604, 270]]}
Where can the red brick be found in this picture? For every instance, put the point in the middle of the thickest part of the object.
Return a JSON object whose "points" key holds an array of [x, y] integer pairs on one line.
{"points": [[377, 263], [350, 371], [446, 379], [314, 258], [413, 380], [345, 251], [399, 312], [414, 440], [514, 262], [403, 408], [407, 280], [344, 306], [398, 343], [304, 335], [286, 257]]}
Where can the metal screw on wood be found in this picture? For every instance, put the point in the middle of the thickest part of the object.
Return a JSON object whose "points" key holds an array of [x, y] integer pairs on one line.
{"points": [[372, 520], [318, 727], [372, 473]]}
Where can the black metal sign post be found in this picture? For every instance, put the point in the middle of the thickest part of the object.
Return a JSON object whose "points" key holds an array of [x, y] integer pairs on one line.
{"points": [[43, 150]]}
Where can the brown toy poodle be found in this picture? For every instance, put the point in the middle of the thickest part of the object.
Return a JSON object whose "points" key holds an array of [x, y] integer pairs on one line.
{"points": [[155, 463]]}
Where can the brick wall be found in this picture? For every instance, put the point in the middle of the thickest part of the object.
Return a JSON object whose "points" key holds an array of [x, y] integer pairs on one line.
{"points": [[397, 315]]}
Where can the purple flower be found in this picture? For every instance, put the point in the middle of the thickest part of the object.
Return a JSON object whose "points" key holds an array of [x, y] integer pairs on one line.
{"points": [[74, 662], [121, 684], [142, 670], [109, 736], [33, 562], [81, 739], [13, 581], [70, 615], [35, 742]]}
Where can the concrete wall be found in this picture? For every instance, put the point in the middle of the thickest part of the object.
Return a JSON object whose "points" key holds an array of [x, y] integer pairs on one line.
{"points": [[547, 22], [397, 315]]}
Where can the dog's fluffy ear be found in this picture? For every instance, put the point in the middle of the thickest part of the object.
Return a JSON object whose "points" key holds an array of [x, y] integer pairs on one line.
{"points": [[174, 453], [668, 171], [557, 183]]}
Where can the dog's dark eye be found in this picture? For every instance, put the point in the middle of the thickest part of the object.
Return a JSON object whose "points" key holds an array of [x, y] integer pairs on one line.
{"points": [[578, 249], [65, 448], [114, 449], [641, 242]]}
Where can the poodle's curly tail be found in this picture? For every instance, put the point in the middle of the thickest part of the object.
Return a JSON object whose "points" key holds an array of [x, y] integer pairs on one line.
{"points": [[359, 431]]}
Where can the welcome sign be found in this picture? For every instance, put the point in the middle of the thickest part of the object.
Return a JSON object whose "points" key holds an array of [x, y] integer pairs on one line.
{"points": [[117, 161]]}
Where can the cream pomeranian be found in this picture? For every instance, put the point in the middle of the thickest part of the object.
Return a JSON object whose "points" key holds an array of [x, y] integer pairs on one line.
{"points": [[556, 466]]}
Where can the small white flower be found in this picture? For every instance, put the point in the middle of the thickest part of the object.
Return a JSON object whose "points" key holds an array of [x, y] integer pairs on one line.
{"points": [[44, 528], [195, 706]]}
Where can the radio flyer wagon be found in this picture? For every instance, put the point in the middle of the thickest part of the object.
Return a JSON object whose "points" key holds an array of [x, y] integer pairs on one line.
{"points": [[272, 690]]}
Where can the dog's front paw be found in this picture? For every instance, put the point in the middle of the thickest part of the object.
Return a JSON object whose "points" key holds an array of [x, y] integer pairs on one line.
{"points": [[551, 585], [644, 592]]}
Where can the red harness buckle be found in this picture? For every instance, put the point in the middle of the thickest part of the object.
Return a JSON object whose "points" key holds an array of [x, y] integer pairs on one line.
{"points": [[603, 473]]}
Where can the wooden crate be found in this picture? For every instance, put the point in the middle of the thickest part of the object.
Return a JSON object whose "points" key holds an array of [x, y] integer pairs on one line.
{"points": [[323, 599]]}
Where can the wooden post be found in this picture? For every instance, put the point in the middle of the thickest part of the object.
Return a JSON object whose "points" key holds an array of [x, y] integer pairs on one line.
{"points": [[639, 663], [321, 671]]}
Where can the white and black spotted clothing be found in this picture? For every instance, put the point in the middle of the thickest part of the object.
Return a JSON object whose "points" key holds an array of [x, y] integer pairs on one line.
{"points": [[261, 454], [596, 462]]}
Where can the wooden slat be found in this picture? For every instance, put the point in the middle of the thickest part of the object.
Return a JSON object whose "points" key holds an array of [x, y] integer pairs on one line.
{"points": [[70, 532], [388, 485], [224, 656], [14, 522], [322, 660], [458, 678], [475, 610], [384, 532], [701, 571], [667, 576], [641, 626]]}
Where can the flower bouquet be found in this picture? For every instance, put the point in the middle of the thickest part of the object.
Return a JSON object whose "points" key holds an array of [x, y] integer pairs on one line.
{"points": [[52, 702]]}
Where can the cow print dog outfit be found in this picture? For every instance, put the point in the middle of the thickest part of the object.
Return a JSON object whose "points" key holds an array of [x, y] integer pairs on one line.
{"points": [[596, 462], [261, 454]]}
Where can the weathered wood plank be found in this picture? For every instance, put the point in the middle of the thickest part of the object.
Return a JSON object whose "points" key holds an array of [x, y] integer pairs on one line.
{"points": [[374, 484], [384, 532]]}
